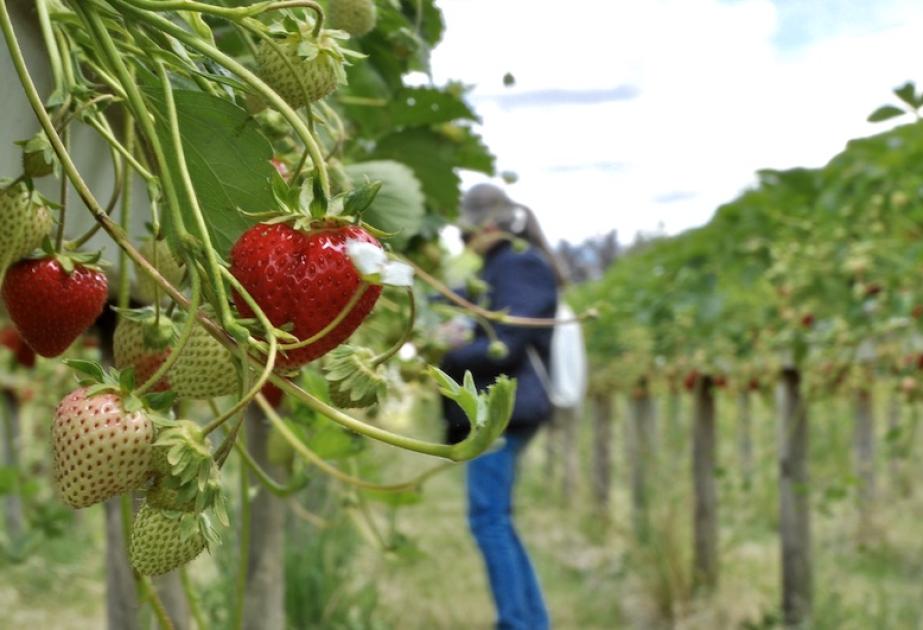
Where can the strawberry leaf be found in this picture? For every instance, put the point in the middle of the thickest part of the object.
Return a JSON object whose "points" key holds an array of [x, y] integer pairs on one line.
{"points": [[90, 369], [361, 198], [127, 380], [160, 401]]}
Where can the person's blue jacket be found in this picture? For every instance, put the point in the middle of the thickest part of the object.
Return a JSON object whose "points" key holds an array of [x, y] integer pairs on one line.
{"points": [[523, 284]]}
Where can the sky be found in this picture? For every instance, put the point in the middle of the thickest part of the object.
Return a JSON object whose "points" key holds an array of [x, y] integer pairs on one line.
{"points": [[646, 115]]}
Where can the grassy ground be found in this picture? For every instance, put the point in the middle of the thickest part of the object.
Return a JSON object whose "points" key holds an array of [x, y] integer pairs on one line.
{"points": [[595, 573]]}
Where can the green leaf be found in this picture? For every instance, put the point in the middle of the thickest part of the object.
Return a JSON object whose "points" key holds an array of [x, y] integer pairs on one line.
{"points": [[885, 112], [394, 499], [358, 200], [332, 442], [228, 161], [907, 94], [9, 477], [415, 107], [160, 401], [432, 162], [127, 379], [90, 369], [399, 207]]}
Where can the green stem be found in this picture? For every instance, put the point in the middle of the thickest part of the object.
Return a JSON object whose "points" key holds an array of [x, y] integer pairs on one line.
{"points": [[249, 77], [408, 331], [54, 54], [59, 237], [500, 317], [125, 218], [230, 13], [117, 146], [274, 487], [214, 268], [323, 332], [150, 593], [230, 439], [264, 375], [118, 235], [175, 352], [137, 105], [70, 169], [193, 599], [334, 472]]}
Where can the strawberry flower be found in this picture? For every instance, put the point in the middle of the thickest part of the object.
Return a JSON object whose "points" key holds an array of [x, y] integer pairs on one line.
{"points": [[373, 265]]}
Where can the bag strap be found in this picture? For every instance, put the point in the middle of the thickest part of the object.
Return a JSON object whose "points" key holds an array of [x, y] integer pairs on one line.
{"points": [[539, 366]]}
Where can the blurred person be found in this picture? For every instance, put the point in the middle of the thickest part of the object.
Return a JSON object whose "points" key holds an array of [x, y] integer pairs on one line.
{"points": [[524, 281]]}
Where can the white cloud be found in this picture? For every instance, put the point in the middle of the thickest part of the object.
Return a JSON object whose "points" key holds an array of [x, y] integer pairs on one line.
{"points": [[718, 99]]}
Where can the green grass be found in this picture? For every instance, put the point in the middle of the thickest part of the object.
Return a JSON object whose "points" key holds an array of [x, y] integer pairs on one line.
{"points": [[595, 573]]}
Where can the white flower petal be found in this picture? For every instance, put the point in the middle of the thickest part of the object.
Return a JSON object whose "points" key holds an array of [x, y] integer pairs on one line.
{"points": [[397, 274], [369, 259]]}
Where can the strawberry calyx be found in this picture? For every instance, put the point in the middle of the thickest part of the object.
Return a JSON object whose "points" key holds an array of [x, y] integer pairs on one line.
{"points": [[38, 156], [353, 378], [313, 40], [69, 260], [188, 480], [122, 382], [159, 329]]}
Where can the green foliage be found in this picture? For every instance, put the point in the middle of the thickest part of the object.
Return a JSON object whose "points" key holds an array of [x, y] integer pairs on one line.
{"points": [[228, 161], [398, 208]]}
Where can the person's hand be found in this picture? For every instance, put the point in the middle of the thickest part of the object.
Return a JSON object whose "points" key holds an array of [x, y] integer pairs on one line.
{"points": [[455, 332]]}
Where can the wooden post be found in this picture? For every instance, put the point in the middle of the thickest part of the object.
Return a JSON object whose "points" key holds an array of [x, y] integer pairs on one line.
{"points": [[568, 424], [864, 448], [705, 522], [641, 456], [264, 605], [745, 435], [794, 503], [602, 449], [121, 593], [9, 414]]}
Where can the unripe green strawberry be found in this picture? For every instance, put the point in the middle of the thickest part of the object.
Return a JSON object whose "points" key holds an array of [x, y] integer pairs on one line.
{"points": [[205, 368], [24, 222], [159, 254], [356, 17], [303, 68], [163, 497], [161, 541], [100, 449]]}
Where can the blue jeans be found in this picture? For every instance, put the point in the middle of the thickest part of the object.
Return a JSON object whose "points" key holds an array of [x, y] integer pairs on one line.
{"points": [[513, 582]]}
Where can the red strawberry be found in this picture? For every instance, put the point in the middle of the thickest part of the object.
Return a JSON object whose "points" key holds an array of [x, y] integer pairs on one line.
{"points": [[273, 395], [304, 279], [10, 338], [100, 449], [51, 307], [690, 381]]}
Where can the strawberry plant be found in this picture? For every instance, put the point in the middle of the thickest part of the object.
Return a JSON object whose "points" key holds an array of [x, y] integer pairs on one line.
{"points": [[287, 170]]}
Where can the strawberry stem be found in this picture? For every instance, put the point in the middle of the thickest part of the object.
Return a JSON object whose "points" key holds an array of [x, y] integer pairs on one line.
{"points": [[501, 317], [245, 74], [408, 331], [185, 335], [70, 169], [294, 485], [230, 13], [54, 55], [214, 268], [316, 460], [59, 237], [323, 332], [264, 375], [124, 295]]}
